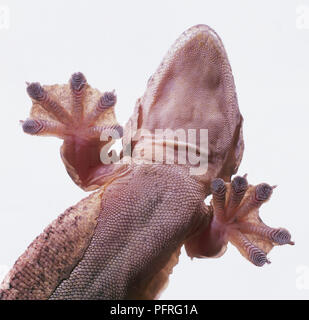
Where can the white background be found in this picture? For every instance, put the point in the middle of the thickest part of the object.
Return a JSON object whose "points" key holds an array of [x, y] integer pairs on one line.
{"points": [[119, 44]]}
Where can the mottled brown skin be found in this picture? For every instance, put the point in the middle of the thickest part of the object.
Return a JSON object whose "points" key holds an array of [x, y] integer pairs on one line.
{"points": [[123, 241]]}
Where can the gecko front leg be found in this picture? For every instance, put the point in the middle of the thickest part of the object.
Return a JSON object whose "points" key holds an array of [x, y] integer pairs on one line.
{"points": [[84, 118], [236, 219]]}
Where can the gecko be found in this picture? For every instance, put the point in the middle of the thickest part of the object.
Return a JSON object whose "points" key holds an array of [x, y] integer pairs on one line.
{"points": [[124, 239]]}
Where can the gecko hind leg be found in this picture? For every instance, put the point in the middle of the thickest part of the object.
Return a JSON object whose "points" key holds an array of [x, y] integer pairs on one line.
{"points": [[236, 219], [84, 118]]}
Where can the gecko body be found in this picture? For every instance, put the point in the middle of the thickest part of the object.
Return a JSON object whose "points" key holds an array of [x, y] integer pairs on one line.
{"points": [[123, 240]]}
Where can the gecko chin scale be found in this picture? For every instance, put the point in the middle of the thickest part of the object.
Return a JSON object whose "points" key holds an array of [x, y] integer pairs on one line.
{"points": [[236, 220]]}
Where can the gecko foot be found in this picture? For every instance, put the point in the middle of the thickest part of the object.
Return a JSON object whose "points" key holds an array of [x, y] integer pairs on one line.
{"points": [[80, 115], [69, 111], [236, 219]]}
